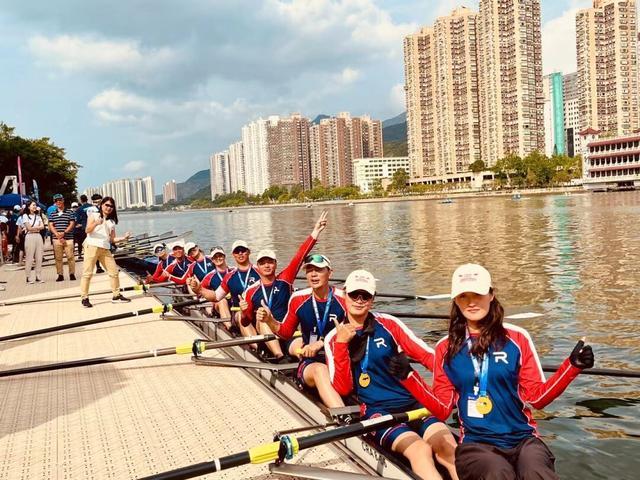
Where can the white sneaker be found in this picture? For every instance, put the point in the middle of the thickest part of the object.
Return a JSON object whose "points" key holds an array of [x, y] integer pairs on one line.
{"points": [[39, 280], [31, 281]]}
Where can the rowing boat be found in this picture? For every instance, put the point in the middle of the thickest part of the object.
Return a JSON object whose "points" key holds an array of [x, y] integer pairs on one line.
{"points": [[279, 380]]}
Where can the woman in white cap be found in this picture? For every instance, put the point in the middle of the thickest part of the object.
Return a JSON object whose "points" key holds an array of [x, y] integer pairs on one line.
{"points": [[177, 271], [364, 355], [164, 260], [32, 225], [317, 310], [490, 371]]}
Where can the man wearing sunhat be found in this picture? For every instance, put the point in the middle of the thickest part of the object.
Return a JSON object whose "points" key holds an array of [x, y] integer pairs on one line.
{"points": [[177, 270], [61, 224], [164, 260]]}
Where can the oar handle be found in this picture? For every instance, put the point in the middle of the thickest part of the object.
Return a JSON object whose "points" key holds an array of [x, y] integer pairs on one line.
{"points": [[605, 372]]}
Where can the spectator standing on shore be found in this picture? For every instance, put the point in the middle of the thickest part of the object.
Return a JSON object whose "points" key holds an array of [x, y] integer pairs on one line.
{"points": [[101, 234], [13, 233], [20, 237], [81, 223], [32, 225], [61, 224]]}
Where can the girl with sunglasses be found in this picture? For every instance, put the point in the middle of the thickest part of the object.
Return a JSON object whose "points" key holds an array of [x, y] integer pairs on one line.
{"points": [[101, 233], [317, 310], [32, 225], [490, 371], [363, 355]]}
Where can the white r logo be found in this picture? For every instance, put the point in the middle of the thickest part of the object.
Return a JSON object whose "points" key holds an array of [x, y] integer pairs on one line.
{"points": [[380, 342], [500, 357]]}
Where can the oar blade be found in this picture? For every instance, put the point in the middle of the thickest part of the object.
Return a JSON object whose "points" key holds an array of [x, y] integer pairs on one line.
{"points": [[523, 316], [439, 296]]}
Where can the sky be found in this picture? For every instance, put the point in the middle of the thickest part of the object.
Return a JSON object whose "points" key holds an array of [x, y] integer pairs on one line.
{"points": [[154, 87]]}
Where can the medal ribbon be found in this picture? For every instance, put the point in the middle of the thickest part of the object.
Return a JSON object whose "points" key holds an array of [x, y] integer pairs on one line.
{"points": [[204, 270], [264, 294], [364, 363], [481, 372], [221, 276], [321, 325], [246, 278]]}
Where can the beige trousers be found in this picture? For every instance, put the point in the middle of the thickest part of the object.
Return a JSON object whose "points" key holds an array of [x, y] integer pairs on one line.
{"points": [[60, 249], [33, 248], [91, 255]]}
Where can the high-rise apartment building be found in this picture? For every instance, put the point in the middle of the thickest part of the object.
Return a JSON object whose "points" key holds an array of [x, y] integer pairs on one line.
{"points": [[219, 174], [336, 141], [169, 191], [510, 78], [607, 57], [571, 96], [127, 192], [554, 123], [256, 154], [441, 70], [288, 151], [474, 88], [236, 167]]}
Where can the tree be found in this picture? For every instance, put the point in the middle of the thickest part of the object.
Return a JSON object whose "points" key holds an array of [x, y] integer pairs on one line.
{"points": [[41, 160], [399, 180], [477, 166]]}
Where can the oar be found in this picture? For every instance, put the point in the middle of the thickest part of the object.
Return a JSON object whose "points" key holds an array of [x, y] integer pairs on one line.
{"points": [[288, 446], [187, 348], [515, 316], [162, 308], [133, 288], [605, 372]]}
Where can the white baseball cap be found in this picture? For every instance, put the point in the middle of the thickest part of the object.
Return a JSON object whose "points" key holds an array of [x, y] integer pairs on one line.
{"points": [[177, 244], [189, 245], [360, 280], [266, 253], [159, 248], [239, 243], [470, 277], [217, 250], [74, 204], [17, 207], [317, 260]]}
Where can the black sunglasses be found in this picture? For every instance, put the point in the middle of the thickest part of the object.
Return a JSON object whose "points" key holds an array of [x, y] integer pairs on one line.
{"points": [[110, 205], [241, 250], [360, 295]]}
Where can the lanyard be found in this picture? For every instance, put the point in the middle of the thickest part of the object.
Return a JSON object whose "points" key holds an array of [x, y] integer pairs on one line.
{"points": [[264, 294], [322, 325], [364, 363], [246, 278], [204, 270], [221, 277], [481, 373], [181, 265]]}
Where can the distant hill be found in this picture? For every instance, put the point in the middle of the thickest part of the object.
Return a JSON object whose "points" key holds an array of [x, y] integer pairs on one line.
{"points": [[195, 182], [395, 133], [401, 118], [322, 116]]}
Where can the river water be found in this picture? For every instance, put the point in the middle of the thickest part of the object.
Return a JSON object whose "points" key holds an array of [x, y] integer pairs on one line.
{"points": [[574, 258]]}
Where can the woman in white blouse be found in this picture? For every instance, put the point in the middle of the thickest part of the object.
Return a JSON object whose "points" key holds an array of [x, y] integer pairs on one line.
{"points": [[101, 234], [32, 225]]}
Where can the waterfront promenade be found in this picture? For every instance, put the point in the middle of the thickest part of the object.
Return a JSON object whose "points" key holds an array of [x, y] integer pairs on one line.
{"points": [[129, 419]]}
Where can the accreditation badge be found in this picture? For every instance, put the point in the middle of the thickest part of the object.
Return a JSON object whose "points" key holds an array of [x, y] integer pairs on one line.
{"points": [[484, 405], [472, 407], [364, 380]]}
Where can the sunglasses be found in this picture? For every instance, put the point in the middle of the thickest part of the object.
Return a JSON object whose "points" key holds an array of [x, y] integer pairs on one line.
{"points": [[241, 250], [360, 295], [159, 249], [316, 258], [110, 205]]}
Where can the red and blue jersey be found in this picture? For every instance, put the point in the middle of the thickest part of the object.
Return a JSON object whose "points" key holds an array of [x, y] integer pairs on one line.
{"points": [[178, 270], [236, 283], [515, 380], [277, 293], [385, 337], [214, 278], [159, 274], [200, 268]]}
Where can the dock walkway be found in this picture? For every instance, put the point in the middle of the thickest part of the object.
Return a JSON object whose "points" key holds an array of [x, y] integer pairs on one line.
{"points": [[128, 419]]}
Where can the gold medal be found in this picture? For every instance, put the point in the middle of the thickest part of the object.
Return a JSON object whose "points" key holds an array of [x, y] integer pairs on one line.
{"points": [[364, 380], [484, 405]]}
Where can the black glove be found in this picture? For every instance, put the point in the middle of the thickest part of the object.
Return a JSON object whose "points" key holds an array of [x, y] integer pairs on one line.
{"points": [[399, 366], [582, 356]]}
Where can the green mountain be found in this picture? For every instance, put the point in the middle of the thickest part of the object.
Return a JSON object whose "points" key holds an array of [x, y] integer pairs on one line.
{"points": [[191, 185]]}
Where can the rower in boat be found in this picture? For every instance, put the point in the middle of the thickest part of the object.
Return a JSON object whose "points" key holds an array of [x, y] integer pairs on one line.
{"points": [[490, 371], [235, 282], [363, 355], [164, 260], [177, 270], [273, 291], [316, 309], [205, 270]]}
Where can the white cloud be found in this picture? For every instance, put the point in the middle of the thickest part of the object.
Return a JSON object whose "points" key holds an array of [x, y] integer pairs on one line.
{"points": [[134, 166], [88, 54], [397, 98], [559, 43], [347, 75]]}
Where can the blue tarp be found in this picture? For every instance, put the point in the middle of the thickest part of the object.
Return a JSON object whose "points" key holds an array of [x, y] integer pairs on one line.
{"points": [[8, 200]]}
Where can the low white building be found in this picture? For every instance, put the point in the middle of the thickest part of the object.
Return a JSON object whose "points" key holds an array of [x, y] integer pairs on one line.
{"points": [[367, 170], [610, 163]]}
